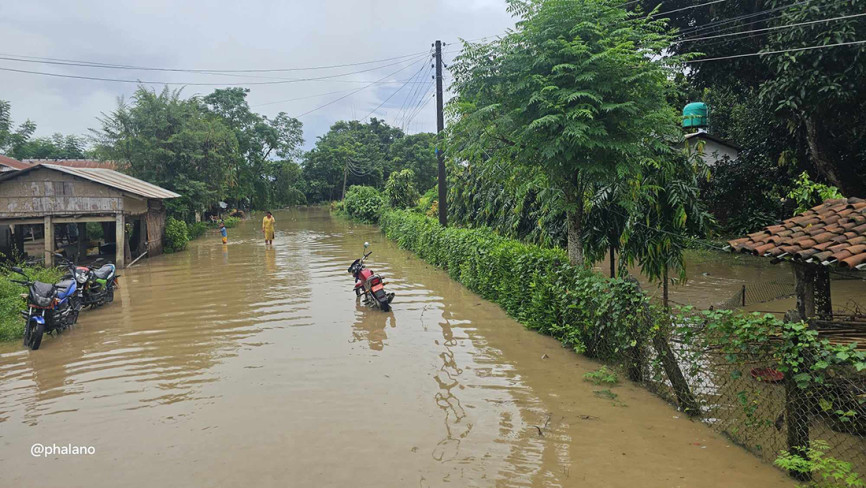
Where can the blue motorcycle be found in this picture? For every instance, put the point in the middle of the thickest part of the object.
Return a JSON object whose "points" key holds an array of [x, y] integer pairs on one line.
{"points": [[50, 307]]}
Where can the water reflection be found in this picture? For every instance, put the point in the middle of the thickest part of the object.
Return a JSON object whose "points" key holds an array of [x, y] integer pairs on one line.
{"points": [[370, 325]]}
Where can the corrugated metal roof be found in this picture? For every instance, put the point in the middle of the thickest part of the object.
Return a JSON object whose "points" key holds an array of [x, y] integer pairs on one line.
{"points": [[117, 180], [74, 163], [12, 163]]}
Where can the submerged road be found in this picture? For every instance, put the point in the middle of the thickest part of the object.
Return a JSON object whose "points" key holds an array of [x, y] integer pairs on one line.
{"points": [[241, 365]]}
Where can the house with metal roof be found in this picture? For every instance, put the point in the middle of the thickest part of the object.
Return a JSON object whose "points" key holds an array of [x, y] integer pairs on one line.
{"points": [[62, 200]]}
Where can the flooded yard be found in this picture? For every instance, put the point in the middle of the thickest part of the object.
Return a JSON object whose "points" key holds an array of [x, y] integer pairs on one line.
{"points": [[241, 364]]}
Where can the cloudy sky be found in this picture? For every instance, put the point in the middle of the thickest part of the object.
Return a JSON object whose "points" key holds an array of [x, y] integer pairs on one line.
{"points": [[233, 35]]}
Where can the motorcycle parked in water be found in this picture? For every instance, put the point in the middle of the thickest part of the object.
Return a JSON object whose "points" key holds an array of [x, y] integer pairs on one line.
{"points": [[370, 285], [50, 307], [97, 286]]}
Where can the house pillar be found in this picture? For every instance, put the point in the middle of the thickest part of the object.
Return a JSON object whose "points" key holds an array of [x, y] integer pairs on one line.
{"points": [[823, 303], [48, 223], [119, 242], [804, 284], [82, 239]]}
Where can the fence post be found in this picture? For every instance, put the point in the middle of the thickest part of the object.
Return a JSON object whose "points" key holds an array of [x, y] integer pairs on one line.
{"points": [[685, 399], [635, 361], [744, 296]]}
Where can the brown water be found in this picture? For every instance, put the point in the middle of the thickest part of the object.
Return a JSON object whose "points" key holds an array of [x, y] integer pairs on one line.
{"points": [[245, 365]]}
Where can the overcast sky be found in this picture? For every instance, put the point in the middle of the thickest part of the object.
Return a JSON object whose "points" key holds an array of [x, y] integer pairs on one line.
{"points": [[233, 35]]}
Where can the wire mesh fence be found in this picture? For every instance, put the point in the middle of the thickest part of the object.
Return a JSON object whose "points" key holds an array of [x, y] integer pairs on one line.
{"points": [[744, 391]]}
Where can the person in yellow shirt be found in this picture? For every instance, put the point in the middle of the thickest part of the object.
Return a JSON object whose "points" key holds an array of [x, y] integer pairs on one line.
{"points": [[268, 228]]}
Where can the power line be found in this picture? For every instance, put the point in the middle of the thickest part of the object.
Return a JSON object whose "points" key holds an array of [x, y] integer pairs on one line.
{"points": [[424, 61], [300, 98], [356, 91], [787, 26], [761, 53], [256, 83], [95, 64], [686, 8]]}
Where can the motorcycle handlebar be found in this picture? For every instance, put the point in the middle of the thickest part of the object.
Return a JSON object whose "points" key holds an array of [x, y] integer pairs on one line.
{"points": [[369, 253]]}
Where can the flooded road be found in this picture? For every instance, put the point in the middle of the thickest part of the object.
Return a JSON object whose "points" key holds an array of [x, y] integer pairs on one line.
{"points": [[245, 365]]}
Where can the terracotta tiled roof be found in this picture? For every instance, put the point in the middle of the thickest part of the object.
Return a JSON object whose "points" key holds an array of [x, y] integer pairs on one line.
{"points": [[74, 163], [833, 233], [12, 163]]}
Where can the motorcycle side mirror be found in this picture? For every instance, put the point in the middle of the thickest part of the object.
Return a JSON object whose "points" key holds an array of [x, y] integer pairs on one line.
{"points": [[366, 245], [17, 270]]}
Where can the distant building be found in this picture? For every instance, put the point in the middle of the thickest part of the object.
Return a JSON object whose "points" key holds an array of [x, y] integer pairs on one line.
{"points": [[711, 148]]}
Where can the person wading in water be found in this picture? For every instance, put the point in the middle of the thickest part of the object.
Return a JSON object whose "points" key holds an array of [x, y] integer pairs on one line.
{"points": [[268, 228]]}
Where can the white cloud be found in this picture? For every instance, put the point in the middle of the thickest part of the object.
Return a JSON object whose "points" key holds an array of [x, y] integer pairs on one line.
{"points": [[228, 35]]}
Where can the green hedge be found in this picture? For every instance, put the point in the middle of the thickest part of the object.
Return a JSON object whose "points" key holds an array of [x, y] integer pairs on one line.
{"points": [[176, 235], [364, 203], [592, 314], [11, 322]]}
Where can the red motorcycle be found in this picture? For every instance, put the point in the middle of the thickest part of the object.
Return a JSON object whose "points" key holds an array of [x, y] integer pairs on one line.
{"points": [[370, 285]]}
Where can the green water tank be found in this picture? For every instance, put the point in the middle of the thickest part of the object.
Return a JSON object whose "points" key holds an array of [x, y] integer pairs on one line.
{"points": [[695, 115]]}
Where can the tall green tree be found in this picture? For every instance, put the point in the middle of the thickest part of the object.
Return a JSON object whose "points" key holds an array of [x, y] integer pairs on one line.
{"points": [[11, 137], [57, 146], [172, 142], [578, 89], [260, 139], [821, 92]]}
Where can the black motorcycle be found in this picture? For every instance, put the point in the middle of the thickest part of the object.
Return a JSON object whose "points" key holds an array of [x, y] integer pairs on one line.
{"points": [[50, 307]]}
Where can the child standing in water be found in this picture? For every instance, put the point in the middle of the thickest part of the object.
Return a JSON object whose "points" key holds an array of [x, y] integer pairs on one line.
{"points": [[224, 232]]}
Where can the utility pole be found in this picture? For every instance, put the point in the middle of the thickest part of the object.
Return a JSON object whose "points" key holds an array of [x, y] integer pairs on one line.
{"points": [[440, 126], [345, 175]]}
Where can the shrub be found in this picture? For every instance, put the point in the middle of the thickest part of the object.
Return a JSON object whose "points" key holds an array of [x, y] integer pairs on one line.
{"points": [[364, 203], [429, 200], [826, 471], [400, 189], [11, 322], [537, 286], [176, 235], [196, 230], [602, 375]]}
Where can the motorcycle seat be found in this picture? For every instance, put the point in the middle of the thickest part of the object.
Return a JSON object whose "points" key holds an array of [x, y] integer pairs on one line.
{"points": [[63, 286], [104, 272]]}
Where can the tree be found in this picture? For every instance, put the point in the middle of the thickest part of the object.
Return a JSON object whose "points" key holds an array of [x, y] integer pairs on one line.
{"points": [[57, 146], [667, 215], [821, 91], [578, 89], [416, 152], [400, 189], [174, 143], [12, 138], [259, 139]]}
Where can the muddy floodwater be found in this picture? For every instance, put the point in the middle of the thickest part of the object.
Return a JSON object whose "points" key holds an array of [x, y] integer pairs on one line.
{"points": [[244, 365]]}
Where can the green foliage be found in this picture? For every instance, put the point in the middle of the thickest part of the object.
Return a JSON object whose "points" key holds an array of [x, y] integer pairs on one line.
{"points": [[57, 146], [807, 193], [11, 322], [826, 471], [256, 179], [428, 200], [602, 375], [196, 229], [231, 222], [801, 353], [578, 90], [12, 138], [364, 203], [535, 285], [400, 189], [174, 143], [176, 235], [94, 231]]}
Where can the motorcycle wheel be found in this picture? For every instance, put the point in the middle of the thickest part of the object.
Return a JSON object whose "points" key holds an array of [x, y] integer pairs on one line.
{"points": [[109, 294], [36, 336], [76, 310], [385, 306]]}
